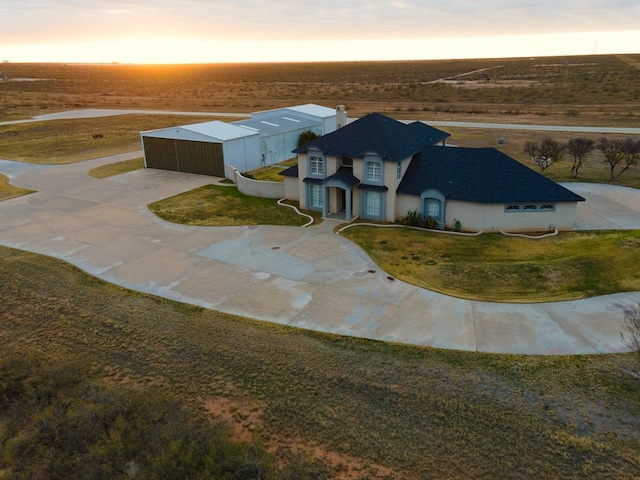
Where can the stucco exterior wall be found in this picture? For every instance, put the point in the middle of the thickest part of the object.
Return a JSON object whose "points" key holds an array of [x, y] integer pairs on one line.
{"points": [[291, 188], [404, 204], [488, 218], [389, 178], [493, 218], [358, 166], [331, 166], [303, 170]]}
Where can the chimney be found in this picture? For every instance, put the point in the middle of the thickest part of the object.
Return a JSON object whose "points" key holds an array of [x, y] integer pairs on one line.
{"points": [[341, 116]]}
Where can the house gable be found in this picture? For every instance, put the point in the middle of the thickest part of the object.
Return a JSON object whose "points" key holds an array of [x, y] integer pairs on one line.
{"points": [[390, 139], [479, 175]]}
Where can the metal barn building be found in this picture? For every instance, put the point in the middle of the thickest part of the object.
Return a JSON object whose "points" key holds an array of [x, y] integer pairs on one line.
{"points": [[202, 148], [207, 148]]}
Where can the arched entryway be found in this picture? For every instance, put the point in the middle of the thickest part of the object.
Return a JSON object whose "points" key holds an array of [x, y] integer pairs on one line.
{"points": [[342, 183], [433, 206]]}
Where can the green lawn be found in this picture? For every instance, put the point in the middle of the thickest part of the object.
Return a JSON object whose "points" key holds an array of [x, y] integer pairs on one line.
{"points": [[8, 191], [362, 407], [117, 168], [214, 205], [494, 267], [272, 173]]}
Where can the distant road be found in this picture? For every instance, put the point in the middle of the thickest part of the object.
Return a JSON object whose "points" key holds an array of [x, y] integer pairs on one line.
{"points": [[107, 112], [550, 128]]}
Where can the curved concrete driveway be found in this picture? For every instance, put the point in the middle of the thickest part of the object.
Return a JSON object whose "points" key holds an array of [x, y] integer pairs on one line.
{"points": [[308, 278]]}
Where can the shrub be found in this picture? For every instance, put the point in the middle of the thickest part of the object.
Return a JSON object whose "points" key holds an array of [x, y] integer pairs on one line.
{"points": [[415, 219], [306, 137]]}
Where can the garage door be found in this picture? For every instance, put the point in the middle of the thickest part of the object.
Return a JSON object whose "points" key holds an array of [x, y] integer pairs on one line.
{"points": [[203, 158]]}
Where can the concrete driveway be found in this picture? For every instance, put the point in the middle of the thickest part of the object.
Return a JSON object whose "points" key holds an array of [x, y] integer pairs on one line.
{"points": [[308, 278], [607, 207]]}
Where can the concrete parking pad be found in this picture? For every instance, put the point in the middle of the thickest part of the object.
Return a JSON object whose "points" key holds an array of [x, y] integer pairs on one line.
{"points": [[303, 277], [606, 207]]}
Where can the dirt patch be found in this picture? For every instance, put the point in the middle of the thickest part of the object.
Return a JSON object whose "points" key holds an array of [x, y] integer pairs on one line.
{"points": [[345, 467], [243, 415]]}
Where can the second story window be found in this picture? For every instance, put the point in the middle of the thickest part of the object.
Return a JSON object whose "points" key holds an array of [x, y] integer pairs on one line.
{"points": [[373, 171], [316, 165], [399, 171]]}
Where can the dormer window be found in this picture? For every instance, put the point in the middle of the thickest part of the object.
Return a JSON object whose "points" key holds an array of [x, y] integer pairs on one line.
{"points": [[373, 171], [316, 165]]}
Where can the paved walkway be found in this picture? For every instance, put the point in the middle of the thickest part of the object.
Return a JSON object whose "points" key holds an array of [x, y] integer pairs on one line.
{"points": [[308, 278]]}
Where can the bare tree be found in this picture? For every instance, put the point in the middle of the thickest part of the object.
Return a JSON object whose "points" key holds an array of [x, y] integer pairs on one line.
{"points": [[579, 148], [619, 154], [630, 334], [631, 153], [544, 153]]}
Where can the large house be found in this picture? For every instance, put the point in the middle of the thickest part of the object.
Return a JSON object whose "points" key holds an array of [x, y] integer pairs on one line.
{"points": [[378, 168]]}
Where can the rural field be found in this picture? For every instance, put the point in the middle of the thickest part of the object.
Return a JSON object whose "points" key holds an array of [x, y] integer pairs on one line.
{"points": [[362, 409], [591, 90], [599, 90], [255, 400]]}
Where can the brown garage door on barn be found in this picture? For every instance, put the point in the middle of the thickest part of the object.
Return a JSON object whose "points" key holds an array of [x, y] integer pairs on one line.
{"points": [[203, 158]]}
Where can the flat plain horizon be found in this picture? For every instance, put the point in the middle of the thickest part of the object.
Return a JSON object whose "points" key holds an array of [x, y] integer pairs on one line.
{"points": [[223, 31]]}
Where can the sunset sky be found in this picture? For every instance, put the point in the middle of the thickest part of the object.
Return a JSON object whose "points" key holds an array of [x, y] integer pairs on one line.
{"points": [[207, 31]]}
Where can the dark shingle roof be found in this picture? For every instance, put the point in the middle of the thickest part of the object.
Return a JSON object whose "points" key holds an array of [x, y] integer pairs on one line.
{"points": [[344, 175], [290, 172], [391, 139], [427, 134], [481, 175]]}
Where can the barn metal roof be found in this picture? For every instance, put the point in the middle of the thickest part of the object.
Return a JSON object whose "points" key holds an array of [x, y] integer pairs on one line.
{"points": [[315, 110], [277, 124], [216, 130], [307, 109], [220, 130]]}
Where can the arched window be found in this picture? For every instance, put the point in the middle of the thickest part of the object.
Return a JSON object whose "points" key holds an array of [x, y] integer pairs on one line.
{"points": [[433, 208]]}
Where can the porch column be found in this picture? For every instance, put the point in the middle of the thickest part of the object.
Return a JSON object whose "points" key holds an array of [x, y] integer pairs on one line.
{"points": [[347, 207], [325, 202]]}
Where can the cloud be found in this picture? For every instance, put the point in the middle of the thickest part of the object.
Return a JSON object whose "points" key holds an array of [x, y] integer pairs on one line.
{"points": [[77, 20]]}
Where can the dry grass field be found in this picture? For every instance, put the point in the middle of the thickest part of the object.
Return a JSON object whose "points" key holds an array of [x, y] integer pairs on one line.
{"points": [[364, 409], [70, 141], [598, 90]]}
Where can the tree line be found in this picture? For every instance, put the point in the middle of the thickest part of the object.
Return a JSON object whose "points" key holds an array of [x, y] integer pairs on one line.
{"points": [[619, 154]]}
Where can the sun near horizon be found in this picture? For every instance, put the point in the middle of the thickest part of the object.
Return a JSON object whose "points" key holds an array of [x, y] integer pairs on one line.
{"points": [[150, 49]]}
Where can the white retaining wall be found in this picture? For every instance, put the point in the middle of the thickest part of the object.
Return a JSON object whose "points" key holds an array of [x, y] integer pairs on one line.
{"points": [[255, 188]]}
